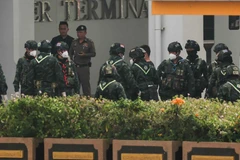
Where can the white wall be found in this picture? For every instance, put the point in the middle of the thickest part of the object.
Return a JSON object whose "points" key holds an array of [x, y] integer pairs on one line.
{"points": [[16, 27], [131, 32], [230, 37], [169, 28]]}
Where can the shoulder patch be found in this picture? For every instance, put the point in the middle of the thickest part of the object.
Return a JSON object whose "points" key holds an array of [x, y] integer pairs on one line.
{"points": [[88, 39]]}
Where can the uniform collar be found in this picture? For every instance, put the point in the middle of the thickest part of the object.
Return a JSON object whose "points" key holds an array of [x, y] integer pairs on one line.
{"points": [[85, 40], [115, 57], [192, 58]]}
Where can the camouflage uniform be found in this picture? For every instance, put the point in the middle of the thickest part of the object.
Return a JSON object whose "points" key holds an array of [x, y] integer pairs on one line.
{"points": [[212, 67], [219, 75], [145, 75], [198, 66], [175, 78], [108, 87], [230, 91], [45, 72], [125, 75], [3, 84], [22, 70], [69, 71]]}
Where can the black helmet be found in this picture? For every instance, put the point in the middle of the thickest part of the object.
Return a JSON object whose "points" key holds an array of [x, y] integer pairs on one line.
{"points": [[31, 44], [224, 55], [137, 53], [44, 46], [192, 44], [109, 70], [61, 46], [117, 48], [174, 47], [219, 47]]}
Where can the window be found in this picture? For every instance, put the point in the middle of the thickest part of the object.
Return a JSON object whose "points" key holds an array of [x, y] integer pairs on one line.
{"points": [[233, 22], [208, 27]]}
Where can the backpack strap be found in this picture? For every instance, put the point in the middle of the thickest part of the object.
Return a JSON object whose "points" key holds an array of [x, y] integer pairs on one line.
{"points": [[103, 87], [234, 87]]}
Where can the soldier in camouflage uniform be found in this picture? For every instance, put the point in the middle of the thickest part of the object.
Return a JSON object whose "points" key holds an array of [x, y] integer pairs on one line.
{"points": [[145, 75], [219, 75], [22, 69], [198, 66], [45, 72], [211, 67], [108, 87], [230, 91], [3, 87], [125, 75], [68, 69], [175, 73]]}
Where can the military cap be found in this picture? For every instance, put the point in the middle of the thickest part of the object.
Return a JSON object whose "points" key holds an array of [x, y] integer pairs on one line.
{"points": [[117, 48], [31, 44], [224, 54], [192, 44], [61, 46], [137, 53], [44, 46], [81, 28], [219, 47], [174, 47]]}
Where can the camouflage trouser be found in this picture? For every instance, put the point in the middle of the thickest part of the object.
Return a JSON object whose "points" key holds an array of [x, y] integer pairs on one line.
{"points": [[70, 91], [148, 91], [46, 88]]}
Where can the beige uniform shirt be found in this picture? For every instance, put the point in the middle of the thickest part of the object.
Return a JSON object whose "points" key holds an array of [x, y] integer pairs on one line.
{"points": [[87, 47]]}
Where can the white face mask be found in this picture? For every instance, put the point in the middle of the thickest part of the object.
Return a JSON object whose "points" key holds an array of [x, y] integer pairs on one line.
{"points": [[65, 54], [131, 61], [172, 56], [33, 53]]}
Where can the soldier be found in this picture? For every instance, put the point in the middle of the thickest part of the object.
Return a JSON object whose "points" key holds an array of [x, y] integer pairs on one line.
{"points": [[81, 51], [125, 75], [198, 66], [63, 37], [45, 73], [147, 54], [3, 87], [219, 75], [68, 69], [230, 91], [22, 69], [145, 75], [108, 87], [175, 73], [214, 64], [212, 67]]}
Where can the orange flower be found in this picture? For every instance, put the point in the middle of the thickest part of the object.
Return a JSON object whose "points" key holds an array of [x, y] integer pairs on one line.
{"points": [[162, 109], [196, 114], [178, 101]]}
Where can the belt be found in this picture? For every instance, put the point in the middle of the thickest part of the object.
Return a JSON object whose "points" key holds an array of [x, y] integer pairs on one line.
{"points": [[81, 65]]}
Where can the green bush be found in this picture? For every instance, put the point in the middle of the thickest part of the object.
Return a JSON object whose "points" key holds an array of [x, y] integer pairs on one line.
{"points": [[80, 117]]}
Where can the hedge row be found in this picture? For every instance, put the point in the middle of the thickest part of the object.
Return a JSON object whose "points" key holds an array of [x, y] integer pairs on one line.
{"points": [[80, 117]]}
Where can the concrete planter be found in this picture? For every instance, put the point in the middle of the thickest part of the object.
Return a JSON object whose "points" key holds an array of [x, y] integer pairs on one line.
{"points": [[12, 148], [146, 150], [90, 149], [211, 151]]}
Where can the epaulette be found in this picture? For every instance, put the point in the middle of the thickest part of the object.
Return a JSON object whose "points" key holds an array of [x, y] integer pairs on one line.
{"points": [[88, 39]]}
